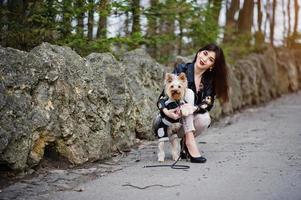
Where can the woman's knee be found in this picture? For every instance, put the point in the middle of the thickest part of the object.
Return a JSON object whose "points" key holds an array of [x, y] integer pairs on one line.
{"points": [[204, 119]]}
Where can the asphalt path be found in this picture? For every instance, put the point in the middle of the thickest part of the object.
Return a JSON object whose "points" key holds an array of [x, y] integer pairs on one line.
{"points": [[255, 154]]}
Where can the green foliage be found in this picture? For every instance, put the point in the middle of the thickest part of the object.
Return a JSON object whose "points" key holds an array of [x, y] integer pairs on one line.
{"points": [[203, 27], [84, 47], [26, 30], [176, 24], [239, 47]]}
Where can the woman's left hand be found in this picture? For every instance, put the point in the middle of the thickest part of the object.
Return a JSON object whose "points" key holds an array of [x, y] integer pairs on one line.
{"points": [[187, 109]]}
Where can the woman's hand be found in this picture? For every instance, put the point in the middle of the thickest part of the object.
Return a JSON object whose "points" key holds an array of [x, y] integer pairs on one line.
{"points": [[187, 109], [172, 113]]}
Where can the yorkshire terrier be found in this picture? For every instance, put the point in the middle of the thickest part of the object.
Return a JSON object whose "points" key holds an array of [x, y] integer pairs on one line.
{"points": [[175, 89]]}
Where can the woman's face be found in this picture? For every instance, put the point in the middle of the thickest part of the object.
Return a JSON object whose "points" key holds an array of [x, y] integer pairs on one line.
{"points": [[205, 59]]}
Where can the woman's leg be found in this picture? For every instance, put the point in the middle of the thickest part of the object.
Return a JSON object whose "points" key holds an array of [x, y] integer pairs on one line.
{"points": [[189, 128], [201, 123]]}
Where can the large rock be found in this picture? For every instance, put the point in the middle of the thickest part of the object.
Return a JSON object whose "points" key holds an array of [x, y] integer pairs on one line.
{"points": [[297, 57], [288, 75], [83, 108], [145, 77]]}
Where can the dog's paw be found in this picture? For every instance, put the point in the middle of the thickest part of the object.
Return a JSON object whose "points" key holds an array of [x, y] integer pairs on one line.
{"points": [[161, 156], [160, 159]]}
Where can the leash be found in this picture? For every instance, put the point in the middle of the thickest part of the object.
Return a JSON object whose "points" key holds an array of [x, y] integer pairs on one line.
{"points": [[174, 165]]}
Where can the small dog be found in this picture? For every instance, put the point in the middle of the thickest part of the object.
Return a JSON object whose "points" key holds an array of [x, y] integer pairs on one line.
{"points": [[175, 89]]}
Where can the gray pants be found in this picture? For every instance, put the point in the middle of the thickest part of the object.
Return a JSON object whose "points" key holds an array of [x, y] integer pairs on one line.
{"points": [[197, 123]]}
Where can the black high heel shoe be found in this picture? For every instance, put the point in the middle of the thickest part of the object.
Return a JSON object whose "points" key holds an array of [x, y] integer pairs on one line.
{"points": [[187, 155]]}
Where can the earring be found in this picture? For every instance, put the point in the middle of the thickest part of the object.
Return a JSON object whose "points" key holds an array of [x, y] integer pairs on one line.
{"points": [[210, 69]]}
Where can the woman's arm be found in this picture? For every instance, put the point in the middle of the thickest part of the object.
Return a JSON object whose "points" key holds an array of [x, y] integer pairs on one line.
{"points": [[208, 98]]}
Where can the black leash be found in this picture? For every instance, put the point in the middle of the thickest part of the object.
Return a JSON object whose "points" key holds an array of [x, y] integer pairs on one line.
{"points": [[174, 165]]}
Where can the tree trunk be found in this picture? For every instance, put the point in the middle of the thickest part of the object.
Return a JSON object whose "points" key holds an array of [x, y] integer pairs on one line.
{"points": [[284, 20], [152, 29], [167, 29], [272, 23], [135, 4], [127, 22], [80, 17], [66, 12], [230, 21], [245, 19], [259, 36], [296, 18], [102, 22], [234, 7], [90, 19], [289, 18], [259, 16], [268, 17]]}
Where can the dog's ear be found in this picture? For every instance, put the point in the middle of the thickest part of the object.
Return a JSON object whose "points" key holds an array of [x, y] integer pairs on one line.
{"points": [[168, 77], [182, 77]]}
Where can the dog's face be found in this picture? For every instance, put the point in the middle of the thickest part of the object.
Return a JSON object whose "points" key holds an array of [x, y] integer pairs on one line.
{"points": [[175, 86]]}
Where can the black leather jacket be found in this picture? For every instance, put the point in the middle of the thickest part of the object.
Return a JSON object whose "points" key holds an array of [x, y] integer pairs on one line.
{"points": [[204, 98]]}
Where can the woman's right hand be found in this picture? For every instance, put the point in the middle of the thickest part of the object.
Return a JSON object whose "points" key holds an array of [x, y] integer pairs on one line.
{"points": [[172, 113]]}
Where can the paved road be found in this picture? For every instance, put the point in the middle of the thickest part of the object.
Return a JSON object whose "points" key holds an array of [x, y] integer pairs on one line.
{"points": [[255, 154]]}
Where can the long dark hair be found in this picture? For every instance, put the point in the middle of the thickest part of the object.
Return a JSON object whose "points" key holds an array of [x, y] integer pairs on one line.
{"points": [[219, 72]]}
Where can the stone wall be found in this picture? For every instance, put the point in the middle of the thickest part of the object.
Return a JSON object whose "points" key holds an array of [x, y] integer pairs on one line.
{"points": [[259, 78], [87, 108]]}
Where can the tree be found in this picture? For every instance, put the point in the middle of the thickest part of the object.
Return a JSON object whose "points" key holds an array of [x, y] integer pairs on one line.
{"points": [[104, 11], [80, 14], [91, 8], [272, 23], [259, 36], [245, 19], [284, 20], [230, 21], [293, 37], [166, 29], [67, 14], [135, 5], [152, 24], [296, 17], [216, 7], [289, 17]]}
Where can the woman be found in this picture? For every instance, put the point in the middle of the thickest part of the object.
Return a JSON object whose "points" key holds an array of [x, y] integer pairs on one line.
{"points": [[207, 78]]}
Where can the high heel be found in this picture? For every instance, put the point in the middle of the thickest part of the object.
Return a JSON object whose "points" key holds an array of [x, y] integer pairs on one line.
{"points": [[183, 151], [199, 159]]}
